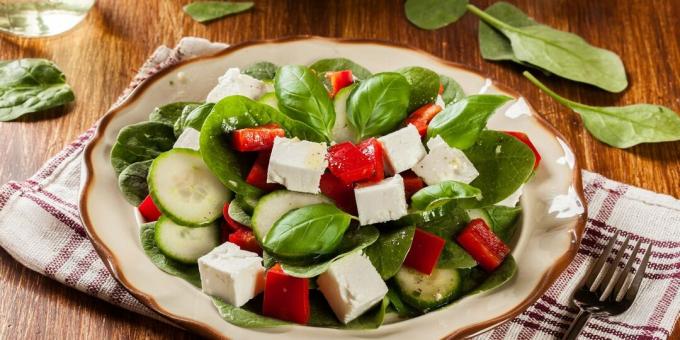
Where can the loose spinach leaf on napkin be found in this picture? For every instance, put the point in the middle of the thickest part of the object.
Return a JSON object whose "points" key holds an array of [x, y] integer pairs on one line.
{"points": [[389, 251], [166, 264], [31, 85], [434, 14], [140, 142], [170, 113], [262, 70], [203, 11], [132, 182]]}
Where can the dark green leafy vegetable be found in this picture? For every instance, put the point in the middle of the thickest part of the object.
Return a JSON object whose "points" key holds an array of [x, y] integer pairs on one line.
{"points": [[203, 11], [453, 92], [141, 142], [453, 256], [461, 123], [168, 265], [424, 86], [132, 182], [193, 118], [623, 126], [504, 221], [262, 70], [437, 195], [434, 14], [564, 54], [402, 309], [498, 277], [338, 64], [31, 85], [389, 251], [443, 221], [247, 316], [238, 213], [321, 315], [493, 44], [170, 113]]}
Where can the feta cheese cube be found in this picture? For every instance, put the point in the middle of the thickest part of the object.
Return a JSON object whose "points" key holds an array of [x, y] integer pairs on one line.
{"points": [[189, 139], [296, 164], [403, 148], [381, 202], [511, 201], [231, 274], [235, 83], [444, 163], [352, 286]]}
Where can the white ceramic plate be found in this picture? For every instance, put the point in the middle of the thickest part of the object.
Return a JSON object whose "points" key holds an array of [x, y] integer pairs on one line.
{"points": [[551, 224]]}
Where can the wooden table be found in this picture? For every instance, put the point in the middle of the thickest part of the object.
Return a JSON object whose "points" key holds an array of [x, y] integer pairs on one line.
{"points": [[101, 55]]}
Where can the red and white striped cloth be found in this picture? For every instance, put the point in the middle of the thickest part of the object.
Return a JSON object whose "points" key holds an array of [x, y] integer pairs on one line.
{"points": [[40, 227]]}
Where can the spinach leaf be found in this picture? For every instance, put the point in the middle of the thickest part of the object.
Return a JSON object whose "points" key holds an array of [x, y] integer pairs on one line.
{"points": [[31, 85], [501, 275], [434, 14], [504, 164], [140, 142], [338, 64], [623, 126], [170, 113], [303, 97], [438, 194], [132, 182], [443, 221], [504, 221], [564, 54], [493, 44], [453, 92], [321, 314], [424, 86], [203, 11], [389, 251], [459, 124], [247, 316], [192, 118], [262, 70], [308, 231], [402, 309], [453, 256], [185, 271], [379, 104]]}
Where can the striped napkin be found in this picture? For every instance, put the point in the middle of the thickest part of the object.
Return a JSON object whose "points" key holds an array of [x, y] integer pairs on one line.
{"points": [[40, 227]]}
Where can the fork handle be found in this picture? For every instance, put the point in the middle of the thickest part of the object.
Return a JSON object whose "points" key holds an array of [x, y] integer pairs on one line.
{"points": [[577, 325]]}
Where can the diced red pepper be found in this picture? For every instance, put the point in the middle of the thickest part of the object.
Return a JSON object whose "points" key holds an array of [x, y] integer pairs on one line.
{"points": [[340, 192], [225, 230], [286, 297], [525, 139], [231, 224], [441, 88], [258, 173], [149, 210], [483, 245], [349, 164], [425, 250], [412, 183], [421, 117], [245, 239], [339, 80], [257, 138], [373, 150]]}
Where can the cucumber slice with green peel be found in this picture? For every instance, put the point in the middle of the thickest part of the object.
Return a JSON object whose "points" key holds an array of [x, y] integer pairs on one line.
{"points": [[480, 213], [270, 99], [184, 189], [273, 206], [426, 292], [237, 213], [342, 130], [185, 244]]}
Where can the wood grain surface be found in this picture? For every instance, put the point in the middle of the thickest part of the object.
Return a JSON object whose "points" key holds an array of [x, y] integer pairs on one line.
{"points": [[101, 55]]}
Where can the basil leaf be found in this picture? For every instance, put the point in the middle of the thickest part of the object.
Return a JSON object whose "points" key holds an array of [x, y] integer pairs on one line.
{"points": [[424, 86], [338, 64], [460, 124], [185, 271], [308, 231], [303, 97], [434, 14], [564, 54], [453, 92], [140, 142], [493, 44], [247, 316], [623, 126], [192, 118], [379, 104], [438, 194], [455, 257], [132, 182], [170, 113], [504, 221], [31, 85], [203, 11], [388, 253], [498, 277], [262, 70], [321, 314]]}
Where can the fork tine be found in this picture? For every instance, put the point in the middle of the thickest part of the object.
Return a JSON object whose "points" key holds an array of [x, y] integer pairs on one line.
{"points": [[597, 267], [639, 274], [606, 281], [622, 276]]}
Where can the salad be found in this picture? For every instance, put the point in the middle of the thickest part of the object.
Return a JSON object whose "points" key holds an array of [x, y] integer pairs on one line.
{"points": [[326, 195]]}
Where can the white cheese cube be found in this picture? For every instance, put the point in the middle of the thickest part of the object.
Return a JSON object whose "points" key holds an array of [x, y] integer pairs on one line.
{"points": [[235, 83], [403, 148], [440, 101], [296, 164], [351, 286], [381, 202], [511, 201], [444, 163], [189, 139], [231, 274]]}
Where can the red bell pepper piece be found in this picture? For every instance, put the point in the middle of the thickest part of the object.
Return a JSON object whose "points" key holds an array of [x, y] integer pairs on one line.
{"points": [[412, 183], [245, 239], [441, 88], [258, 173], [340, 192], [421, 117], [425, 250], [231, 224], [525, 139], [256, 138], [339, 80], [483, 245], [373, 150], [349, 164], [149, 210], [286, 297]]}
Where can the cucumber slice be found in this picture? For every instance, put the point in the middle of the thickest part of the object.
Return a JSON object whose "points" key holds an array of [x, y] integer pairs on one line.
{"points": [[272, 206], [184, 189], [185, 244], [237, 213], [480, 213], [426, 292], [270, 99], [342, 131]]}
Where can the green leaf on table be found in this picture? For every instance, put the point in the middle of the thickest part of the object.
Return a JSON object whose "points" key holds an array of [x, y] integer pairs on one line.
{"points": [[203, 11], [504, 221], [498, 277], [262, 70], [132, 182], [436, 195], [321, 314], [247, 316], [388, 253], [170, 113], [453, 92], [493, 44], [185, 271], [192, 118], [141, 142], [564, 54], [434, 14], [338, 64], [31, 85], [424, 86], [623, 126]]}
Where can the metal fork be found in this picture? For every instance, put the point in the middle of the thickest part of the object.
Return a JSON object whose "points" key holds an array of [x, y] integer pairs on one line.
{"points": [[594, 296]]}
